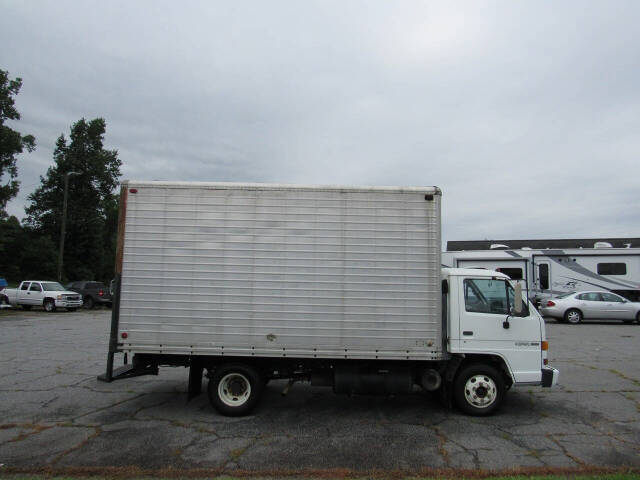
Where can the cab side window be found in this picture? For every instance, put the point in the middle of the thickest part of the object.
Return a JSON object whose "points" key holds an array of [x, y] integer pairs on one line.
{"points": [[35, 287], [485, 296], [25, 286]]}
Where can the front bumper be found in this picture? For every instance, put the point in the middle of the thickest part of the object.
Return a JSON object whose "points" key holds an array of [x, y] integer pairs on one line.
{"points": [[550, 376], [69, 303]]}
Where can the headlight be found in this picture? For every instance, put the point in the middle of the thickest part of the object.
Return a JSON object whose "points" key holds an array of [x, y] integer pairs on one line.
{"points": [[59, 297]]}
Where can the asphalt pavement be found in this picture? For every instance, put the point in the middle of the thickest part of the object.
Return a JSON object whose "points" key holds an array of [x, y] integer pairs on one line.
{"points": [[53, 412]]}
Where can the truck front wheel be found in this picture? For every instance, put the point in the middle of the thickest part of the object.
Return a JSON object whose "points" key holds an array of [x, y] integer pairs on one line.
{"points": [[235, 389], [49, 305], [478, 389]]}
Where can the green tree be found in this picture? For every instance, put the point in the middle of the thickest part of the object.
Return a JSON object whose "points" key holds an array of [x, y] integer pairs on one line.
{"points": [[90, 228], [12, 142], [24, 253]]}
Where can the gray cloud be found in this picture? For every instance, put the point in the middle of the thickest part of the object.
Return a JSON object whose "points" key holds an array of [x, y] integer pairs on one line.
{"points": [[526, 114]]}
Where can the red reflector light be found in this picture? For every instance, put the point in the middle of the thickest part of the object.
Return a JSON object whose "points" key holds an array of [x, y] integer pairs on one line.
{"points": [[124, 334], [133, 190], [100, 293], [550, 304], [545, 362]]}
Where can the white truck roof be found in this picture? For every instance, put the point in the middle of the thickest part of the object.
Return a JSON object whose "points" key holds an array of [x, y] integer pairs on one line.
{"points": [[471, 272], [276, 186]]}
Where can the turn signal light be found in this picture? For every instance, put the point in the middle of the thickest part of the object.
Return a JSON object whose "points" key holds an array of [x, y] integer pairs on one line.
{"points": [[550, 304], [545, 345]]}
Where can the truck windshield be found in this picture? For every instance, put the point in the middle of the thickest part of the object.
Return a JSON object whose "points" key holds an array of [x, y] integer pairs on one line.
{"points": [[52, 286]]}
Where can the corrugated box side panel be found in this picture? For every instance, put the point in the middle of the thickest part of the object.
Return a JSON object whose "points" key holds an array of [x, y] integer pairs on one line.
{"points": [[282, 272]]}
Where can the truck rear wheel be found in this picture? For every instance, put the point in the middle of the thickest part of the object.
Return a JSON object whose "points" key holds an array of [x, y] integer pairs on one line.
{"points": [[478, 389], [88, 303], [235, 389]]}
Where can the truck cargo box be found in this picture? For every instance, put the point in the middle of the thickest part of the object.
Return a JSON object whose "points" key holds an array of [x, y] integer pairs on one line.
{"points": [[280, 271]]}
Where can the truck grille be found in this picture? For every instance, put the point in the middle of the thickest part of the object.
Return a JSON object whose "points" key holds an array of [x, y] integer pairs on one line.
{"points": [[73, 298]]}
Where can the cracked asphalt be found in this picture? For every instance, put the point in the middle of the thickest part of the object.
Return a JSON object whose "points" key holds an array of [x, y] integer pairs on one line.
{"points": [[53, 412]]}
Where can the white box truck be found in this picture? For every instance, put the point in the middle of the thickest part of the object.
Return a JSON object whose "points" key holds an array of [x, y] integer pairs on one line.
{"points": [[341, 286]]}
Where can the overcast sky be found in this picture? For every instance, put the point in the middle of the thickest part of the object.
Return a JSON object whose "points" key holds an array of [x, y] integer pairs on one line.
{"points": [[526, 114]]}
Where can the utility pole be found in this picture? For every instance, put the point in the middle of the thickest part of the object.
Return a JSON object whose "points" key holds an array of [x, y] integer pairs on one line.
{"points": [[64, 222]]}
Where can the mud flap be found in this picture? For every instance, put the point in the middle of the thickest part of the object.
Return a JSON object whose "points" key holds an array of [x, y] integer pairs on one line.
{"points": [[128, 371], [195, 380]]}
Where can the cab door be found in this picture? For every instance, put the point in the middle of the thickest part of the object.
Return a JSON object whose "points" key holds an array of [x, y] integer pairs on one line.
{"points": [[36, 295], [486, 326], [22, 295]]}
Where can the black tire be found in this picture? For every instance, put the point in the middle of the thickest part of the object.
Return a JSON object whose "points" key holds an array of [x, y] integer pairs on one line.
{"points": [[49, 305], [71, 309], [88, 303], [4, 300], [235, 389], [478, 389], [573, 316], [26, 307], [638, 318]]}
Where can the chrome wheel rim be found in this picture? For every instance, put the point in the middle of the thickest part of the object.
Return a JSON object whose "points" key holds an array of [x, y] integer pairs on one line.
{"points": [[573, 317], [480, 391], [234, 389], [48, 307]]}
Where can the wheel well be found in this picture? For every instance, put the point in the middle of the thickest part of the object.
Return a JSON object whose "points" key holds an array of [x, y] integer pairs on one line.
{"points": [[573, 308], [46, 299], [493, 360]]}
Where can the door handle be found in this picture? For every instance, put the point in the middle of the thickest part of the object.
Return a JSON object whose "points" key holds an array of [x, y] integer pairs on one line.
{"points": [[467, 332]]}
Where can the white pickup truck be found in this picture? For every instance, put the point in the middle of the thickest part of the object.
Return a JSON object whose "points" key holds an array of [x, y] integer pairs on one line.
{"points": [[49, 295]]}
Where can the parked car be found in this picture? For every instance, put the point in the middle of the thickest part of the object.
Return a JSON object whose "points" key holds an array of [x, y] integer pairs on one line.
{"points": [[574, 307], [93, 293], [49, 295]]}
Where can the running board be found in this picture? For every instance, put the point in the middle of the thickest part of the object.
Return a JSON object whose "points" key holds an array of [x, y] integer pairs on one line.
{"points": [[128, 371]]}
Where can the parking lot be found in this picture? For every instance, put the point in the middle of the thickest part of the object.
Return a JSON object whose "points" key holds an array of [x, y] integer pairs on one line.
{"points": [[54, 412]]}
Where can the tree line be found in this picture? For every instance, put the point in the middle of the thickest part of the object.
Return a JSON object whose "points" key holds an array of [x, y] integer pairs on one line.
{"points": [[29, 248]]}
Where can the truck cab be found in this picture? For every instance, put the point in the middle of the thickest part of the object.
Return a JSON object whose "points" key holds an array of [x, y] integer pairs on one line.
{"points": [[489, 319]]}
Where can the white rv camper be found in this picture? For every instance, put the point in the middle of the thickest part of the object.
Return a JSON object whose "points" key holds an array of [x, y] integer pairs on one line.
{"points": [[547, 272]]}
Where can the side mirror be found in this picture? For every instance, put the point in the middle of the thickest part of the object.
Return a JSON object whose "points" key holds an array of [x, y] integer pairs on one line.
{"points": [[518, 299]]}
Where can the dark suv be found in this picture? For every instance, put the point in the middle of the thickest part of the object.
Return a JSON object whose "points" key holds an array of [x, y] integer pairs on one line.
{"points": [[93, 293]]}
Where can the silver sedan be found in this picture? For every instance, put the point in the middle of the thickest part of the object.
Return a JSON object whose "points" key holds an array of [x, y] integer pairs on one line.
{"points": [[574, 307]]}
